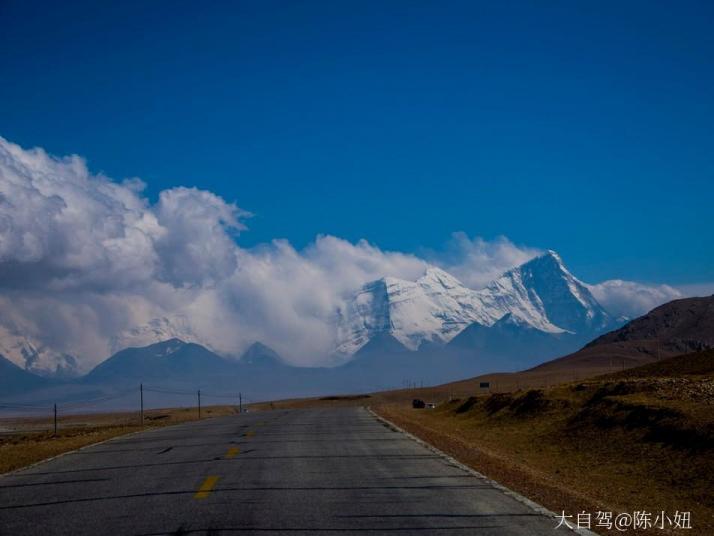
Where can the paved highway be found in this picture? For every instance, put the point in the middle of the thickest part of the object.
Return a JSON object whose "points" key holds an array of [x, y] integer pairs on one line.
{"points": [[324, 471]]}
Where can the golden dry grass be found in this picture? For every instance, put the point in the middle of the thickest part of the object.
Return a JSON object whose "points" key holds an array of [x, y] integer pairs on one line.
{"points": [[613, 445]]}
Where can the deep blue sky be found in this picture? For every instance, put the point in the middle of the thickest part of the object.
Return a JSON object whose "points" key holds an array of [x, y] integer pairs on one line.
{"points": [[586, 127]]}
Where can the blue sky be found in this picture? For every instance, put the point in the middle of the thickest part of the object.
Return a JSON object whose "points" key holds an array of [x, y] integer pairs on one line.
{"points": [[585, 127]]}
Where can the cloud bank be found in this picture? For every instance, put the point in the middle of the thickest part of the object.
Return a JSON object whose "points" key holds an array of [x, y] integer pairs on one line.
{"points": [[477, 262], [88, 264], [630, 299]]}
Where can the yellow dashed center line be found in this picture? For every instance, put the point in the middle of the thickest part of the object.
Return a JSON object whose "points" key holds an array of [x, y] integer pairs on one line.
{"points": [[232, 452], [205, 489]]}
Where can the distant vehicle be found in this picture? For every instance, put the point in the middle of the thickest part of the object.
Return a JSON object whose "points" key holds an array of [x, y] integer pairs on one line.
{"points": [[430, 405], [418, 404]]}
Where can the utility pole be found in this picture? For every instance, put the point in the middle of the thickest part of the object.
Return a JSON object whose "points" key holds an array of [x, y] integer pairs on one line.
{"points": [[240, 402], [141, 398], [55, 419], [199, 404]]}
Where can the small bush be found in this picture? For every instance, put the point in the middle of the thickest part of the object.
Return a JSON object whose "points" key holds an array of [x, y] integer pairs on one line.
{"points": [[466, 406], [532, 402], [496, 402], [611, 389]]}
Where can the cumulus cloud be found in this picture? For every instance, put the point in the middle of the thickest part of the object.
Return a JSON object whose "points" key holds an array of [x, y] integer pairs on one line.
{"points": [[476, 261], [88, 264], [84, 259], [630, 299]]}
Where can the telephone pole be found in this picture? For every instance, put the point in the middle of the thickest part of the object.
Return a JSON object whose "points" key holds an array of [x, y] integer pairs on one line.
{"points": [[199, 404], [240, 402], [55, 419], [141, 399]]}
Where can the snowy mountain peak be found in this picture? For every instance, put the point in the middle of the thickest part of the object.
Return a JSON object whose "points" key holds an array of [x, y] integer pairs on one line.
{"points": [[158, 330], [36, 357], [552, 256], [164, 348], [540, 294], [562, 298], [434, 276], [549, 260]]}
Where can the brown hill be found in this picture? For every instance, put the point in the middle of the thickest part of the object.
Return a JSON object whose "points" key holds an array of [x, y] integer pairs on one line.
{"points": [[694, 364], [675, 328]]}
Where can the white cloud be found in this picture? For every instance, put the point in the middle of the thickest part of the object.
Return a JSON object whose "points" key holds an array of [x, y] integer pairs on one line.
{"points": [[631, 299], [697, 289], [477, 262], [84, 259]]}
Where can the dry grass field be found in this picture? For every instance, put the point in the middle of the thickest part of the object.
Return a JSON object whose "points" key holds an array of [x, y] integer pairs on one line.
{"points": [[639, 440], [25, 441]]}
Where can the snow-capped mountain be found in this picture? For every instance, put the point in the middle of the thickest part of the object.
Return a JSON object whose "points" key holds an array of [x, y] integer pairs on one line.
{"points": [[435, 308], [540, 294], [32, 356], [544, 294], [155, 331]]}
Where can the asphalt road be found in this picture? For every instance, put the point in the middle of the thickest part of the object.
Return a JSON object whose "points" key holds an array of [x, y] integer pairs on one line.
{"points": [[325, 471]]}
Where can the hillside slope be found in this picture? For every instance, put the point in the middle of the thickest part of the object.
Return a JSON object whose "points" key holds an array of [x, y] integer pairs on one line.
{"points": [[675, 328], [14, 380]]}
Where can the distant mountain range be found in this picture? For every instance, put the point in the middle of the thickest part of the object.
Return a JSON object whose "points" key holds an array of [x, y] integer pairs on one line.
{"points": [[538, 307], [535, 311], [391, 333], [170, 371], [177, 367]]}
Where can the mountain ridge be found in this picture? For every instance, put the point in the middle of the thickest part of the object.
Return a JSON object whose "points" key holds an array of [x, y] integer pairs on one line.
{"points": [[541, 293], [674, 328], [14, 379]]}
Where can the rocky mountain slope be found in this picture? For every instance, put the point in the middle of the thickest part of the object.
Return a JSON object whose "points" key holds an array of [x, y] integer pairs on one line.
{"points": [[675, 328], [35, 357], [14, 380]]}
